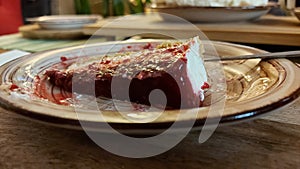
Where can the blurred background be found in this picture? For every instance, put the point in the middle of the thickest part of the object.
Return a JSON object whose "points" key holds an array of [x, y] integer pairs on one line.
{"points": [[13, 13]]}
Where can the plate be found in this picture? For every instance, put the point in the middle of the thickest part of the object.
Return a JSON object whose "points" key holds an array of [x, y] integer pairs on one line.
{"points": [[211, 14], [254, 87], [64, 21]]}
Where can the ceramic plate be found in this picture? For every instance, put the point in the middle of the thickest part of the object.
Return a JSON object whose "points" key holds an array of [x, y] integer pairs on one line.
{"points": [[254, 87], [211, 14], [64, 21]]}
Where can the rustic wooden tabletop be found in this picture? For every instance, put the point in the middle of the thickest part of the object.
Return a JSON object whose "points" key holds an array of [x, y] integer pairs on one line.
{"points": [[269, 29], [272, 141]]}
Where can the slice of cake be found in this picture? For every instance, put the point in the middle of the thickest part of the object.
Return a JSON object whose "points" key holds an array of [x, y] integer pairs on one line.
{"points": [[175, 68]]}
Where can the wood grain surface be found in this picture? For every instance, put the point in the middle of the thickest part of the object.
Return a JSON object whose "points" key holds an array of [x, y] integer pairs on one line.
{"points": [[268, 29], [2, 50], [269, 142]]}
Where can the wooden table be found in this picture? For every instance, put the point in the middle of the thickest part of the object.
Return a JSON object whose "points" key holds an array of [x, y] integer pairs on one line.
{"points": [[2, 50], [269, 142], [269, 29]]}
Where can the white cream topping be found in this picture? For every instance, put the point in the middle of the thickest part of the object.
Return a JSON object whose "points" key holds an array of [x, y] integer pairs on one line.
{"points": [[195, 67]]}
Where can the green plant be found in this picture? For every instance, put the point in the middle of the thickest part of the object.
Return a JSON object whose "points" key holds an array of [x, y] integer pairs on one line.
{"points": [[121, 7], [82, 6]]}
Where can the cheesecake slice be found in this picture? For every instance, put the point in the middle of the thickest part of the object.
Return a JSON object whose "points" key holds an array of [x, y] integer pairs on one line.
{"points": [[176, 69]]}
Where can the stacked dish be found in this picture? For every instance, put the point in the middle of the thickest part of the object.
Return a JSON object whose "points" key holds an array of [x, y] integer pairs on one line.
{"points": [[64, 21]]}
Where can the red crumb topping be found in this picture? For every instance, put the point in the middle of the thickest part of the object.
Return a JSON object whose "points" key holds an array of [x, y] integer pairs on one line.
{"points": [[105, 62], [184, 59], [148, 46], [185, 47], [13, 86], [205, 86], [171, 49], [63, 58]]}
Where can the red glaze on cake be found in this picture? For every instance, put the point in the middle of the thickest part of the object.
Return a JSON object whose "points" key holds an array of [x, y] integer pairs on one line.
{"points": [[175, 68]]}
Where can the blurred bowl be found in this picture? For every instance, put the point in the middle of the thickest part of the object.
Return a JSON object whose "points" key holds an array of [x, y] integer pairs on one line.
{"points": [[211, 14], [64, 21]]}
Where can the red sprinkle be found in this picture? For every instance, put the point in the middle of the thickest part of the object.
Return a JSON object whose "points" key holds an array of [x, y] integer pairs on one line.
{"points": [[105, 62], [205, 86], [171, 49], [148, 46], [185, 47], [63, 58], [129, 47], [13, 86], [184, 59]]}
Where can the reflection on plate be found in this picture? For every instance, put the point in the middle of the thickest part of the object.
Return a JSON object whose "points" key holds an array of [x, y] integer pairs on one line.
{"points": [[254, 87], [211, 14], [64, 21]]}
